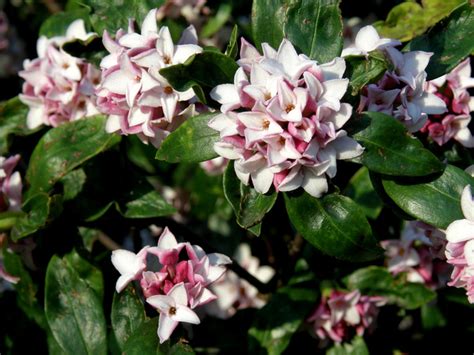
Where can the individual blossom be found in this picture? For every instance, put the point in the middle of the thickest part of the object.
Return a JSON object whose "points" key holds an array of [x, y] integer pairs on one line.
{"points": [[214, 166], [460, 247], [453, 124], [402, 92], [415, 252], [174, 278], [341, 314], [234, 293], [10, 184], [281, 120], [58, 87], [132, 92]]}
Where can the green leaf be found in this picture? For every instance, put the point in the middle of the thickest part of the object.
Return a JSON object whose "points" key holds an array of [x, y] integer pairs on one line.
{"points": [[192, 142], [145, 341], [268, 17], [432, 317], [13, 115], [64, 148], [250, 207], [218, 21], [233, 47], [112, 15], [435, 201], [180, 349], [410, 19], [372, 278], [128, 314], [315, 27], [40, 209], [9, 219], [201, 71], [362, 71], [451, 41], [414, 295], [391, 150], [334, 224], [150, 204], [73, 183], [356, 347], [73, 310], [280, 318], [57, 24], [360, 190]]}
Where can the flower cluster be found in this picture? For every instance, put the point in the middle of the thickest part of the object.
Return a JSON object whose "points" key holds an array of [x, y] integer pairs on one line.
{"points": [[452, 89], [281, 119], [401, 92], [414, 253], [10, 184], [132, 92], [234, 293], [179, 284], [460, 247], [59, 87], [341, 314]]}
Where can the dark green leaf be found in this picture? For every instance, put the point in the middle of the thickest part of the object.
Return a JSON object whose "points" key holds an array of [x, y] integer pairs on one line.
{"points": [[391, 150], [57, 24], [149, 205], [435, 201], [128, 314], [180, 349], [12, 122], [275, 323], [268, 18], [145, 340], [192, 142], [451, 41], [201, 71], [9, 219], [73, 310], [360, 190], [249, 206], [64, 148], [363, 71], [410, 19], [315, 27], [233, 46], [414, 295], [73, 183], [372, 278], [334, 224], [432, 317], [87, 272], [40, 209]]}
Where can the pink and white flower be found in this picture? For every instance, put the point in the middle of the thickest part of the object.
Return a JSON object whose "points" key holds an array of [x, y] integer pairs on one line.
{"points": [[10, 184], [281, 120], [214, 166], [58, 87], [452, 89], [460, 247], [234, 293], [179, 284], [341, 312], [402, 92], [136, 97]]}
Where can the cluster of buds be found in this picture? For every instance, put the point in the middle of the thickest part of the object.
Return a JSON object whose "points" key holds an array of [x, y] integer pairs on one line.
{"points": [[178, 285], [402, 92], [452, 89], [10, 184], [132, 92], [281, 120], [341, 314], [460, 247], [234, 293], [58, 87], [415, 252]]}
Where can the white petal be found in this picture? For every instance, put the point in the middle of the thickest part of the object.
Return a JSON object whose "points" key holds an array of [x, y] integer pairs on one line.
{"points": [[225, 93], [346, 148], [185, 314], [262, 180], [315, 185], [469, 252], [161, 302], [467, 203], [179, 294], [167, 240], [334, 69], [166, 327], [149, 23], [219, 259], [184, 51], [226, 150], [460, 231], [340, 117], [125, 261], [367, 39], [113, 124]]}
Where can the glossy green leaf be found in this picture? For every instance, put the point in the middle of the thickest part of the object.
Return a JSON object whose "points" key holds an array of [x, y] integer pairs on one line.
{"points": [[73, 183], [268, 18], [451, 41], [64, 148], [250, 207], [40, 210], [315, 27], [356, 347], [410, 19], [149, 205], [73, 310], [362, 71], [87, 272], [145, 340], [435, 201], [391, 150], [372, 278], [192, 142], [360, 190], [275, 323], [57, 24], [201, 72], [233, 46], [128, 314], [334, 224], [12, 122]]}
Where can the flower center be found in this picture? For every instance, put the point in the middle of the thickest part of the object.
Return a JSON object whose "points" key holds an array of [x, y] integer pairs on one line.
{"points": [[65, 65], [289, 107], [172, 311], [168, 90], [266, 124], [167, 59]]}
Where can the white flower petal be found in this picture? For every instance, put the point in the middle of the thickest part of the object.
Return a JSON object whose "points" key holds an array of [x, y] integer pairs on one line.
{"points": [[460, 231], [467, 203], [185, 314], [166, 327]]}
